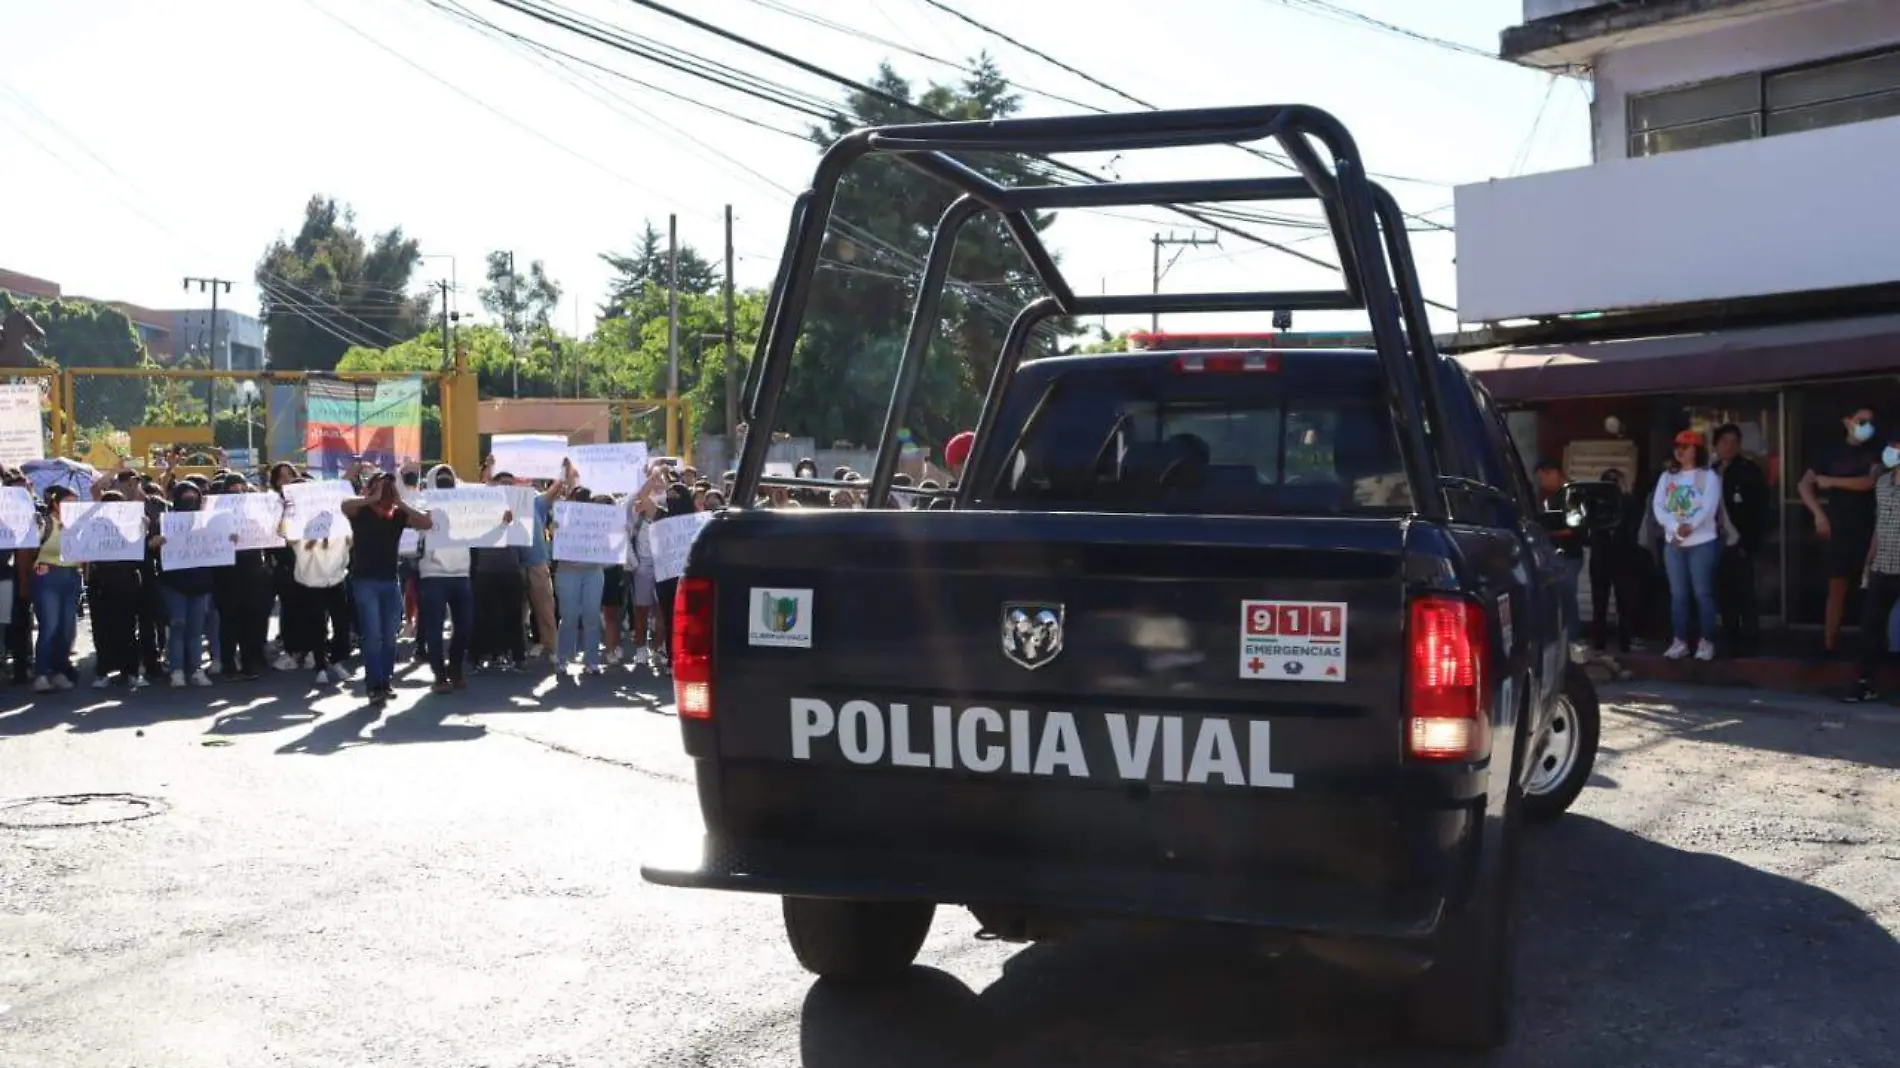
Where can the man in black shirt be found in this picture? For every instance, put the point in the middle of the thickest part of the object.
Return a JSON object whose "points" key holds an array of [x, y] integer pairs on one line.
{"points": [[1745, 498], [1845, 520], [1550, 484]]}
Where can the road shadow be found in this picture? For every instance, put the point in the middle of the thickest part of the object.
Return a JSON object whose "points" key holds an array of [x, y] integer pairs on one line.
{"points": [[1632, 953], [1803, 728]]}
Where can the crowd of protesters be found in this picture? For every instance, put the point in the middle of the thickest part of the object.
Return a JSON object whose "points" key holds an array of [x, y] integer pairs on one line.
{"points": [[366, 587]]}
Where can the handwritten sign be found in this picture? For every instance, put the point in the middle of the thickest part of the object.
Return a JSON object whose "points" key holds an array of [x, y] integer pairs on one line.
{"points": [[314, 510], [19, 522], [409, 542], [589, 533], [254, 517], [520, 533], [672, 539], [196, 539], [466, 516], [20, 436], [618, 468], [529, 455], [102, 531]]}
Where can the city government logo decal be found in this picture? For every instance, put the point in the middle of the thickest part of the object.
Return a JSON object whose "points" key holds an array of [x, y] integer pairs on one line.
{"points": [[779, 619]]}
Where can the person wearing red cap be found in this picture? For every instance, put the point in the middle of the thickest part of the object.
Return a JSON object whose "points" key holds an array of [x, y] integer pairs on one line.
{"points": [[956, 452], [1688, 504]]}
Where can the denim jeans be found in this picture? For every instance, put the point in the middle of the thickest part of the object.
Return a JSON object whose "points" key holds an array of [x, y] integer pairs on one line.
{"points": [[378, 617], [577, 589], [1691, 573], [187, 613], [454, 593], [56, 606]]}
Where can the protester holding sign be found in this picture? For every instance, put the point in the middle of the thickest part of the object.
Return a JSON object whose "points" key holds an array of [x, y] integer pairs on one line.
{"points": [[377, 520], [497, 574], [319, 569], [243, 591], [679, 505], [55, 603], [577, 585], [445, 586], [114, 590], [187, 597]]}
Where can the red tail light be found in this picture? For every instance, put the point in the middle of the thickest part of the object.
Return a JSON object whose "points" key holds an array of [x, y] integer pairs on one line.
{"points": [[1448, 703], [693, 647], [1226, 363]]}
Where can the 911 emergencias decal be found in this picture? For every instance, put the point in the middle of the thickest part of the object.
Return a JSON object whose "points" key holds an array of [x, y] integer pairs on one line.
{"points": [[1293, 641]]}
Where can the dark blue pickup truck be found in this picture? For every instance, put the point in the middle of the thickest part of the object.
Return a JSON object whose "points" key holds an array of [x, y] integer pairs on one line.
{"points": [[1273, 639]]}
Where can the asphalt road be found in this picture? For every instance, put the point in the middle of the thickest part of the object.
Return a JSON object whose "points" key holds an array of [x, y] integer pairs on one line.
{"points": [[262, 877]]}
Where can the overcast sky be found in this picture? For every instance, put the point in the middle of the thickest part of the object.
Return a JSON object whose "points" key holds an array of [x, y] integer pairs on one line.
{"points": [[151, 140]]}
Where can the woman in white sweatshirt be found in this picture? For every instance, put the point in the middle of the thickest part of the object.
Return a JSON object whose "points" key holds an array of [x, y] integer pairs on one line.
{"points": [[1688, 505]]}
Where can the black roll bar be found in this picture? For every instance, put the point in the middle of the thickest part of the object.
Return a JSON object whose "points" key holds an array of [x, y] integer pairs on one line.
{"points": [[1378, 273]]}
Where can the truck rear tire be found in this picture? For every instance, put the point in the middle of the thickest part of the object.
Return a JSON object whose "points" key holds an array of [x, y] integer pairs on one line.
{"points": [[1570, 758], [856, 941], [1463, 1001]]}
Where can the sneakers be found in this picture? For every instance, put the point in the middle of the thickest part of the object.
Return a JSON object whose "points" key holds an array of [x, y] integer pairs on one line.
{"points": [[596, 670], [641, 656], [535, 652], [442, 686], [42, 684], [1705, 650], [338, 673], [61, 682], [613, 655], [307, 661], [178, 678], [199, 678], [285, 662], [217, 667], [139, 682], [407, 633], [1677, 650], [101, 682]]}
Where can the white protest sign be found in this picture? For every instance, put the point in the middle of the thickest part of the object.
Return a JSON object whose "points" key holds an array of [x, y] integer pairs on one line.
{"points": [[466, 516], [589, 533], [19, 522], [520, 533], [620, 468], [254, 515], [102, 531], [20, 436], [409, 542], [672, 538], [775, 469], [529, 455], [196, 539], [314, 510]]}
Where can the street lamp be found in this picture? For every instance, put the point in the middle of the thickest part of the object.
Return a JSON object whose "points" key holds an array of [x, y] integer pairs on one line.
{"points": [[247, 396]]}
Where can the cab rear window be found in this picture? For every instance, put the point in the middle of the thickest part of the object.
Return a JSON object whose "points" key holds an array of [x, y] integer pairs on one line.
{"points": [[1118, 440]]}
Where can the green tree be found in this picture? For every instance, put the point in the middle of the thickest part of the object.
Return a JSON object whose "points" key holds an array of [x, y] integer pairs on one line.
{"points": [[525, 304], [885, 215], [646, 268], [80, 333], [329, 283]]}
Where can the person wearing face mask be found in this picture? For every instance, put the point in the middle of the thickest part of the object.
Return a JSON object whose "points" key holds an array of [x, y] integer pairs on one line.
{"points": [[1844, 520], [1880, 577], [187, 599], [1687, 504], [377, 520]]}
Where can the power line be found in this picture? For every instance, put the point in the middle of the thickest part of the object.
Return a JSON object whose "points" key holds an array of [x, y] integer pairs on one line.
{"points": [[815, 69], [1341, 13]]}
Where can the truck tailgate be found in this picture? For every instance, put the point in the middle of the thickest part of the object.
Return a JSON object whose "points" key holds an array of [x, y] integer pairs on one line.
{"points": [[1051, 689]]}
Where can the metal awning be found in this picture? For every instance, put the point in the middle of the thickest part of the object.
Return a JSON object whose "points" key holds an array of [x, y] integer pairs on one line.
{"points": [[1790, 352]]}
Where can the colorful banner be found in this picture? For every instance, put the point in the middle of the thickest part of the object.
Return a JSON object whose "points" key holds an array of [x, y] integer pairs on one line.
{"points": [[378, 422]]}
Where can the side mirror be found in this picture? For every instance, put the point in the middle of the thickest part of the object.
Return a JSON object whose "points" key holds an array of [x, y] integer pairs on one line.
{"points": [[1585, 507]]}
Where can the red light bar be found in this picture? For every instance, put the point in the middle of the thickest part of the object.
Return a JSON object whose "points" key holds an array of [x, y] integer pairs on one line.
{"points": [[1226, 363]]}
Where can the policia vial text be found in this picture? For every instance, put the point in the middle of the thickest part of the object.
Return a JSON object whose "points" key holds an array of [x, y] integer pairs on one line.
{"points": [[985, 740]]}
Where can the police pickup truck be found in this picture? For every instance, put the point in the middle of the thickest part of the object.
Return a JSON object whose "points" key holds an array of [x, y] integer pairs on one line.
{"points": [[1271, 639]]}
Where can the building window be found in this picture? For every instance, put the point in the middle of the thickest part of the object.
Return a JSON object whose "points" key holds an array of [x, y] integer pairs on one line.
{"points": [[1763, 104]]}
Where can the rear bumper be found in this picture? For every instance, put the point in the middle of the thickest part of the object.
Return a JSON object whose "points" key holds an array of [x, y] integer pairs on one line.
{"points": [[803, 870]]}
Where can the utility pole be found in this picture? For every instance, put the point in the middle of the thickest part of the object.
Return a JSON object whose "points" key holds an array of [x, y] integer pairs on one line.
{"points": [[514, 339], [672, 333], [732, 356], [211, 354], [448, 343], [1192, 240]]}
